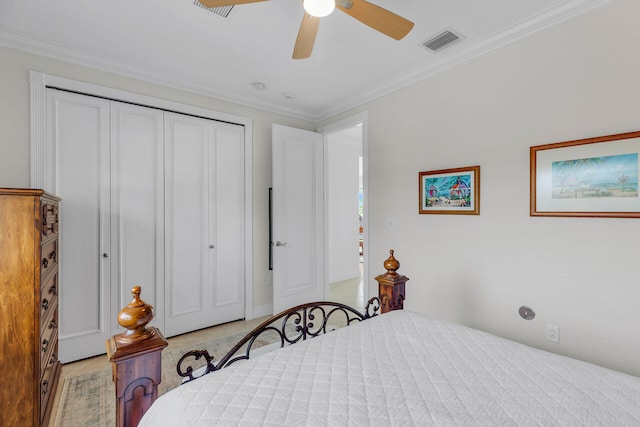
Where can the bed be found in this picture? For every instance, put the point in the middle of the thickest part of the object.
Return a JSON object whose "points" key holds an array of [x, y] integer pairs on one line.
{"points": [[403, 369]]}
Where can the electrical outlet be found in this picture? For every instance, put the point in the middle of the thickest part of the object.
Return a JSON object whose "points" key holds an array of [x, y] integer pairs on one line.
{"points": [[553, 333]]}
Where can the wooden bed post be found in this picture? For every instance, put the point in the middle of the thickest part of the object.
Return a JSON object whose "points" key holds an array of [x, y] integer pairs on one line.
{"points": [[391, 289], [136, 359]]}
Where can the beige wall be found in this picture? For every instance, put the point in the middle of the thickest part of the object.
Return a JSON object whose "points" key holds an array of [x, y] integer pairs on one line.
{"points": [[14, 135], [576, 80]]}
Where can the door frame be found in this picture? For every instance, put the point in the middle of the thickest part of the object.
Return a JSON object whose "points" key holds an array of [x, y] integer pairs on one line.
{"points": [[361, 118], [43, 157]]}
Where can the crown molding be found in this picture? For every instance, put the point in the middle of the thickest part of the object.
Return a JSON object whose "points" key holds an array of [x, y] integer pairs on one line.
{"points": [[38, 46], [458, 55]]}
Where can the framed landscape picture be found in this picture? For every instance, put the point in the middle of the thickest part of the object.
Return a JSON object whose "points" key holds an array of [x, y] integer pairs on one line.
{"points": [[594, 177], [450, 191]]}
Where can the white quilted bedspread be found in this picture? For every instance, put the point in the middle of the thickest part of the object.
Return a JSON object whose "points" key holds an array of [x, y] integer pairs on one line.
{"points": [[404, 369]]}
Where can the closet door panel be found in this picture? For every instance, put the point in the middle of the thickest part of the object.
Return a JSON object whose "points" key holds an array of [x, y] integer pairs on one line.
{"points": [[229, 225], [79, 135], [137, 205], [187, 290], [204, 223]]}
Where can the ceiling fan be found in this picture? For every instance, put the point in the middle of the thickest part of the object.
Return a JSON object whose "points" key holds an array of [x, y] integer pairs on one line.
{"points": [[376, 17]]}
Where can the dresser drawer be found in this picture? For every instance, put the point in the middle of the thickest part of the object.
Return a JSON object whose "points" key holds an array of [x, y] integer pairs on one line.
{"points": [[49, 261], [48, 339], [47, 382], [49, 296], [50, 324], [49, 219]]}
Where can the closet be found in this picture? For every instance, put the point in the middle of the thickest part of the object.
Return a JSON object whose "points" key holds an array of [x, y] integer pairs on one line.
{"points": [[151, 198], [204, 223]]}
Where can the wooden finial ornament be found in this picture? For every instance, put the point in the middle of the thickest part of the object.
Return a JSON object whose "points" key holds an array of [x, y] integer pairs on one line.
{"points": [[391, 264], [134, 318]]}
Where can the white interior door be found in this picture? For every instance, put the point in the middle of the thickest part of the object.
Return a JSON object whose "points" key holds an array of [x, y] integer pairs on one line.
{"points": [[298, 217], [108, 169], [79, 136], [137, 207], [204, 190]]}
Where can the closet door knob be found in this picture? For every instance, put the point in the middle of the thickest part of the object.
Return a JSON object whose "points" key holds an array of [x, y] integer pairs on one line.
{"points": [[279, 243], [105, 255], [211, 246]]}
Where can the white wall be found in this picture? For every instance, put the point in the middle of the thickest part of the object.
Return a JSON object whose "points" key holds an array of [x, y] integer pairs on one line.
{"points": [[576, 80], [343, 181], [14, 137]]}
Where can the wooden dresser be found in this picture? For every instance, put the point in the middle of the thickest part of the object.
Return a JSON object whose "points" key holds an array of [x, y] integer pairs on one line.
{"points": [[28, 306]]}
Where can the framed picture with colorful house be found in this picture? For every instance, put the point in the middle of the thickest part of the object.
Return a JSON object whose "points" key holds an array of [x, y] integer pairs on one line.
{"points": [[449, 191]]}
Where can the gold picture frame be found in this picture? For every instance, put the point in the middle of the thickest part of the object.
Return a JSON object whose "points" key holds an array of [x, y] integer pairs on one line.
{"points": [[592, 177], [449, 191]]}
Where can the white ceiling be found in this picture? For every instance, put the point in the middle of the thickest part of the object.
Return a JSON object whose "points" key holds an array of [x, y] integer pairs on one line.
{"points": [[178, 44]]}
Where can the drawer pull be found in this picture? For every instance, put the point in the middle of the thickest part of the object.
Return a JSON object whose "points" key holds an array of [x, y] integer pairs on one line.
{"points": [[52, 324], [45, 304], [54, 359], [45, 387], [48, 227], [52, 255], [53, 290], [45, 345], [45, 262]]}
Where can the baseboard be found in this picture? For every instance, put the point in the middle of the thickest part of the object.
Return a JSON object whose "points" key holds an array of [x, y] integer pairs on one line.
{"points": [[345, 276], [263, 310]]}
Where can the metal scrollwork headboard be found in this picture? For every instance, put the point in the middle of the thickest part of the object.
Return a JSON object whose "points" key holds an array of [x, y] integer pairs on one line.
{"points": [[286, 328]]}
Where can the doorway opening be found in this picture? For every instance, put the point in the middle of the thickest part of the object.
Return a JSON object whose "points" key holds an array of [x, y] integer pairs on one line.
{"points": [[345, 216]]}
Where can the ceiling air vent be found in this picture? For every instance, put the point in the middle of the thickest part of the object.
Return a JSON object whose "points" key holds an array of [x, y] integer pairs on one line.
{"points": [[441, 40], [223, 11]]}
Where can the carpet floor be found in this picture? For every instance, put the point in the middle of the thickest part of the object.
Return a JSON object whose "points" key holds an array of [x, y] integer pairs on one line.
{"points": [[89, 400]]}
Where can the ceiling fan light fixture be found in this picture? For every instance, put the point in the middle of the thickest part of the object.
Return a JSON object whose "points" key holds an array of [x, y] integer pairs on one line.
{"points": [[319, 8]]}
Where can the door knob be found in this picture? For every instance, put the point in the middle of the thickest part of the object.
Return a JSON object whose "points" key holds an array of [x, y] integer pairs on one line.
{"points": [[279, 243]]}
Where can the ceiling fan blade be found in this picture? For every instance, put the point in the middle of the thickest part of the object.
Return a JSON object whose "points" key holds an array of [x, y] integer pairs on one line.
{"points": [[306, 37], [221, 3], [376, 17]]}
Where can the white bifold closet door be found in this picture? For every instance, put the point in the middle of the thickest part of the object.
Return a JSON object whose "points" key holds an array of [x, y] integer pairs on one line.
{"points": [[204, 184], [79, 137], [120, 168], [137, 207], [108, 169]]}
